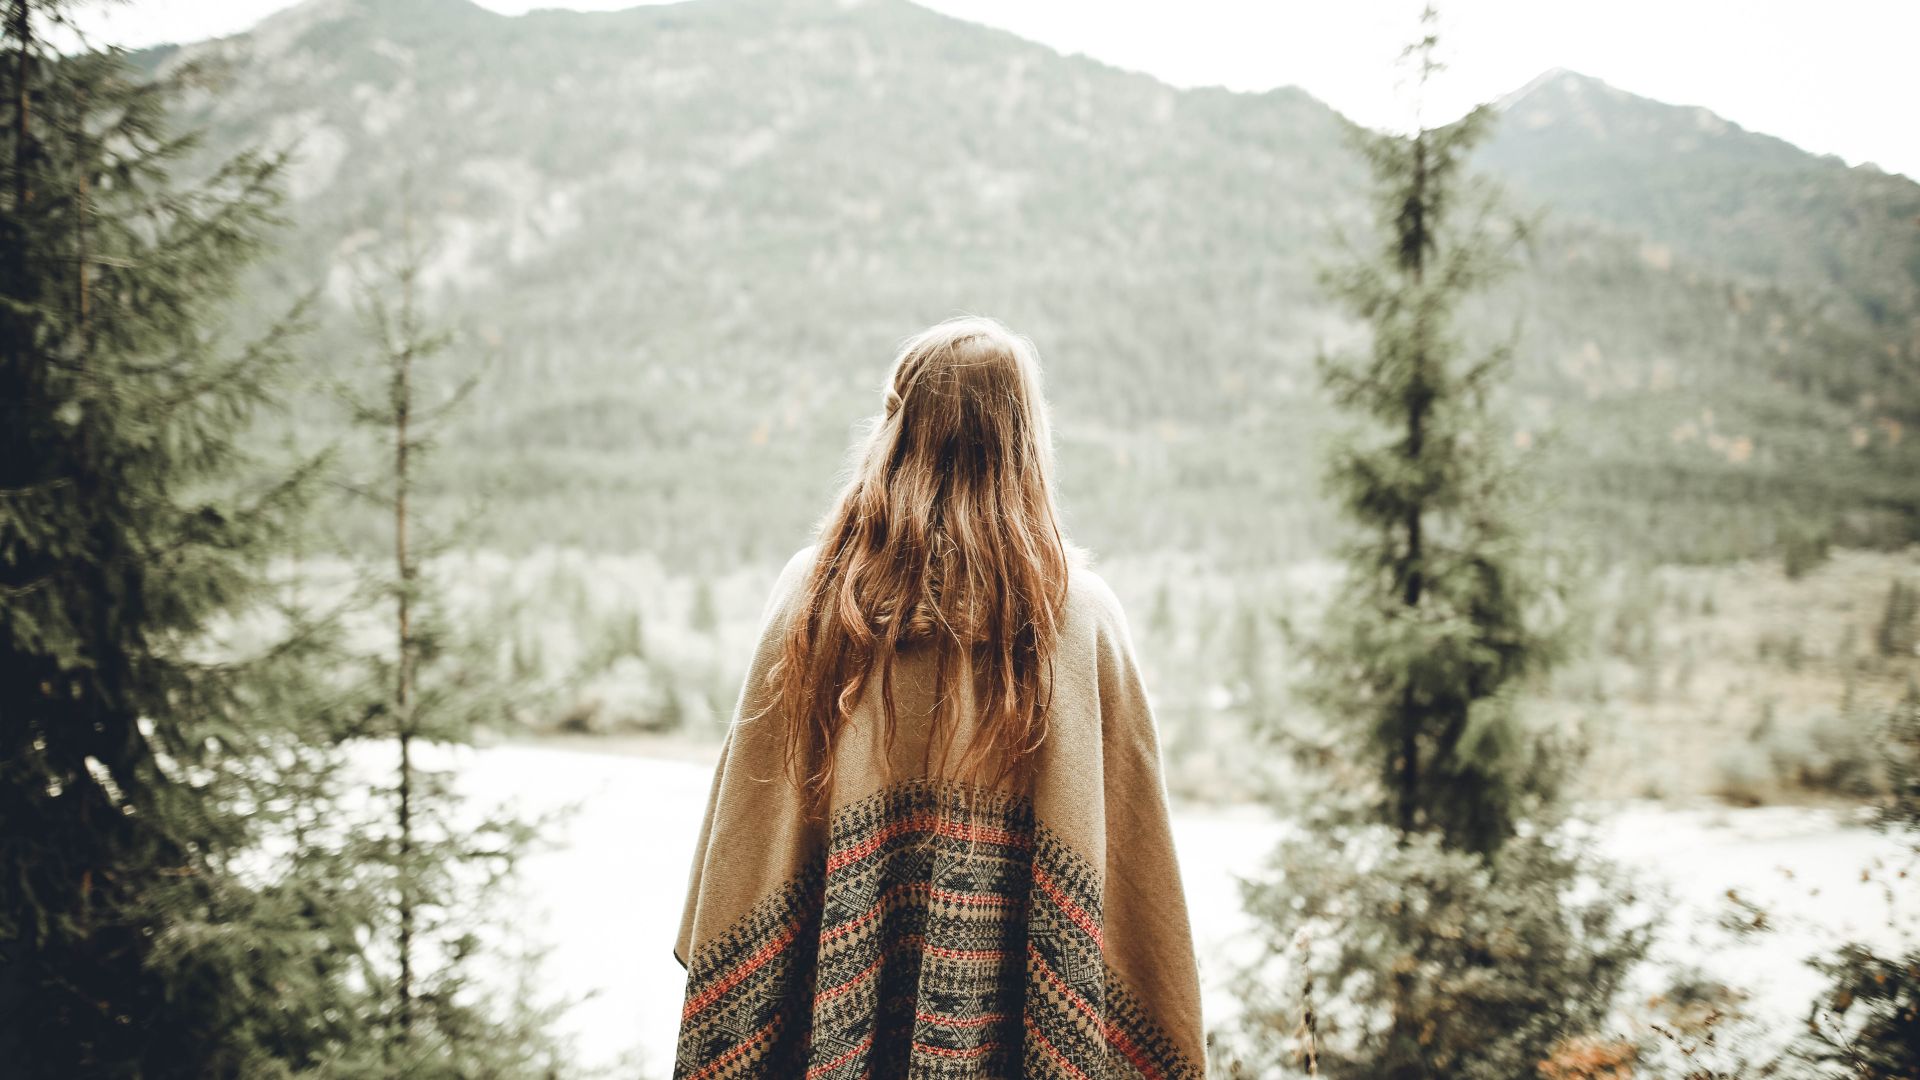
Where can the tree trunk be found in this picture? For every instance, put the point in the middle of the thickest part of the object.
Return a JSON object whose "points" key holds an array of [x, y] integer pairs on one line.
{"points": [[402, 402], [22, 28], [1413, 248]]}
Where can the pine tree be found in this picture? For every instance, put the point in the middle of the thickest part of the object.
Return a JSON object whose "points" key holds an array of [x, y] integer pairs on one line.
{"points": [[703, 617], [1444, 927], [1437, 624], [146, 929], [1249, 657], [1160, 616], [442, 866], [1895, 635]]}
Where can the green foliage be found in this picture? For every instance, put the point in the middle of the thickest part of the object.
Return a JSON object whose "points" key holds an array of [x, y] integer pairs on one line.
{"points": [[1899, 620], [1439, 619], [1488, 962], [1804, 550], [438, 865], [1446, 921], [1160, 622], [190, 882], [153, 920], [1902, 810], [1838, 751], [1867, 1021], [703, 619]]}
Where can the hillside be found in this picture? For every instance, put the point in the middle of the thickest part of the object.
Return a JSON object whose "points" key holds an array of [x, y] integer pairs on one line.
{"points": [[684, 240], [1750, 204]]}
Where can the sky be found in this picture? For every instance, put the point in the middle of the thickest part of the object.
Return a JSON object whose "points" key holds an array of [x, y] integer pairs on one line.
{"points": [[1831, 76]]}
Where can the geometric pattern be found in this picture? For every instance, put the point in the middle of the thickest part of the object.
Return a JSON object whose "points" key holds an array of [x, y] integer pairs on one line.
{"points": [[942, 935]]}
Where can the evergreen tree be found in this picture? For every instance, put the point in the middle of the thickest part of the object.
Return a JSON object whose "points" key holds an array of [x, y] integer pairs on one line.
{"points": [[1160, 617], [1428, 892], [1436, 624], [440, 864], [163, 912], [1249, 657], [703, 617], [1895, 636]]}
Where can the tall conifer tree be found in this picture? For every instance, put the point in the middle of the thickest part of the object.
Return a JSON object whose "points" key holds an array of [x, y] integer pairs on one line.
{"points": [[1456, 942], [144, 931], [1436, 624]]}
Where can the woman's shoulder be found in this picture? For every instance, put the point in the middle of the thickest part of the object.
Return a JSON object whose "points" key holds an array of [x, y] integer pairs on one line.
{"points": [[1090, 600], [787, 585], [797, 566]]}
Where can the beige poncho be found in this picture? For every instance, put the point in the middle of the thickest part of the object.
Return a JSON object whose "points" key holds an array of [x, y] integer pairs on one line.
{"points": [[926, 930]]}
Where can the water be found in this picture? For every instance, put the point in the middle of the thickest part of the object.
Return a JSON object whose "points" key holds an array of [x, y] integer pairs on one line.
{"points": [[608, 898]]}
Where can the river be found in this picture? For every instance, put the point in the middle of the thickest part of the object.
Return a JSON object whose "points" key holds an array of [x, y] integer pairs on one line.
{"points": [[607, 897]]}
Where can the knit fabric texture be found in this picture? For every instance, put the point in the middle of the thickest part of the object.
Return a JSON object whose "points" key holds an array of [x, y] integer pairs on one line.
{"points": [[928, 928]]}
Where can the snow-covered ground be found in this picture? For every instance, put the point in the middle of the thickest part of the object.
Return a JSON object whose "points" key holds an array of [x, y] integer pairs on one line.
{"points": [[608, 897]]}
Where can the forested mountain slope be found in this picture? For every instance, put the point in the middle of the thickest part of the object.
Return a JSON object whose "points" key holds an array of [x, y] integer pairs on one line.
{"points": [[1749, 204], [684, 239]]}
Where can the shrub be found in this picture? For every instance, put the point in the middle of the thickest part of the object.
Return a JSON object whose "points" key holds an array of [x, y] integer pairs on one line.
{"points": [[1895, 636], [1867, 1023], [1435, 962], [1805, 550]]}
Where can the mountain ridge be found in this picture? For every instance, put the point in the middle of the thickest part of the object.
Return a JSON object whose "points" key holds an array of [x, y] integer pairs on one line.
{"points": [[1753, 203], [310, 11], [694, 232]]}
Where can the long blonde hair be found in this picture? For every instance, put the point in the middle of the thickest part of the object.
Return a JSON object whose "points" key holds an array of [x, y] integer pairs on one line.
{"points": [[946, 538]]}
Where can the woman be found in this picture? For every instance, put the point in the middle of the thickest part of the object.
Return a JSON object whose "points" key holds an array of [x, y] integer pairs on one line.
{"points": [[937, 843]]}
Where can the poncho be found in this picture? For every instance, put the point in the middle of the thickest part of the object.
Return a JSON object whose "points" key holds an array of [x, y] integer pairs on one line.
{"points": [[926, 928]]}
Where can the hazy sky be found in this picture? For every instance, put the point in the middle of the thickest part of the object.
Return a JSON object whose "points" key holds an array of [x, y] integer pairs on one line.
{"points": [[1833, 76]]}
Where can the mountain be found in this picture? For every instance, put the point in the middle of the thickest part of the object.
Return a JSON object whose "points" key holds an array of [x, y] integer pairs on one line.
{"points": [[1750, 204], [684, 240]]}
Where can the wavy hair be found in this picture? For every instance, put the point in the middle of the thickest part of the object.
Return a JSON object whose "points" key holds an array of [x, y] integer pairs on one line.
{"points": [[945, 539]]}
